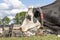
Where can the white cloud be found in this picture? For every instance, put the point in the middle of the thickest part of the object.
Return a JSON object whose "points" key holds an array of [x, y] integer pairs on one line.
{"points": [[11, 17], [15, 11], [3, 6], [0, 14], [11, 7], [14, 3], [18, 10]]}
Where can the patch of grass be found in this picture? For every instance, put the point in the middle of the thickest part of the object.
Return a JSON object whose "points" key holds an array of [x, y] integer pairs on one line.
{"points": [[48, 37]]}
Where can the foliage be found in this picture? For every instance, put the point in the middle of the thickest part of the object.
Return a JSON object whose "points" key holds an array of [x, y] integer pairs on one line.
{"points": [[5, 20], [48, 37], [19, 17]]}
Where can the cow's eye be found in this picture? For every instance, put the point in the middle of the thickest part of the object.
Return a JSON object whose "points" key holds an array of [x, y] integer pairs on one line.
{"points": [[28, 17]]}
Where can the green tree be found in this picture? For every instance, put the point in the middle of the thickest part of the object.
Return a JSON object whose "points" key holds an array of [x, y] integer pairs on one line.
{"points": [[5, 20], [19, 17]]}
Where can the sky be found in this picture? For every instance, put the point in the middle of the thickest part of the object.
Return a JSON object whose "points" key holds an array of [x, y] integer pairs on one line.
{"points": [[11, 7]]}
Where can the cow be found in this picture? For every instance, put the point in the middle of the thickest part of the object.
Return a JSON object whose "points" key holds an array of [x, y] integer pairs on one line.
{"points": [[30, 23]]}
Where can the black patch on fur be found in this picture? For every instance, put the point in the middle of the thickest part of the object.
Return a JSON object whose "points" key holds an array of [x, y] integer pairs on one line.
{"points": [[36, 12], [28, 17]]}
